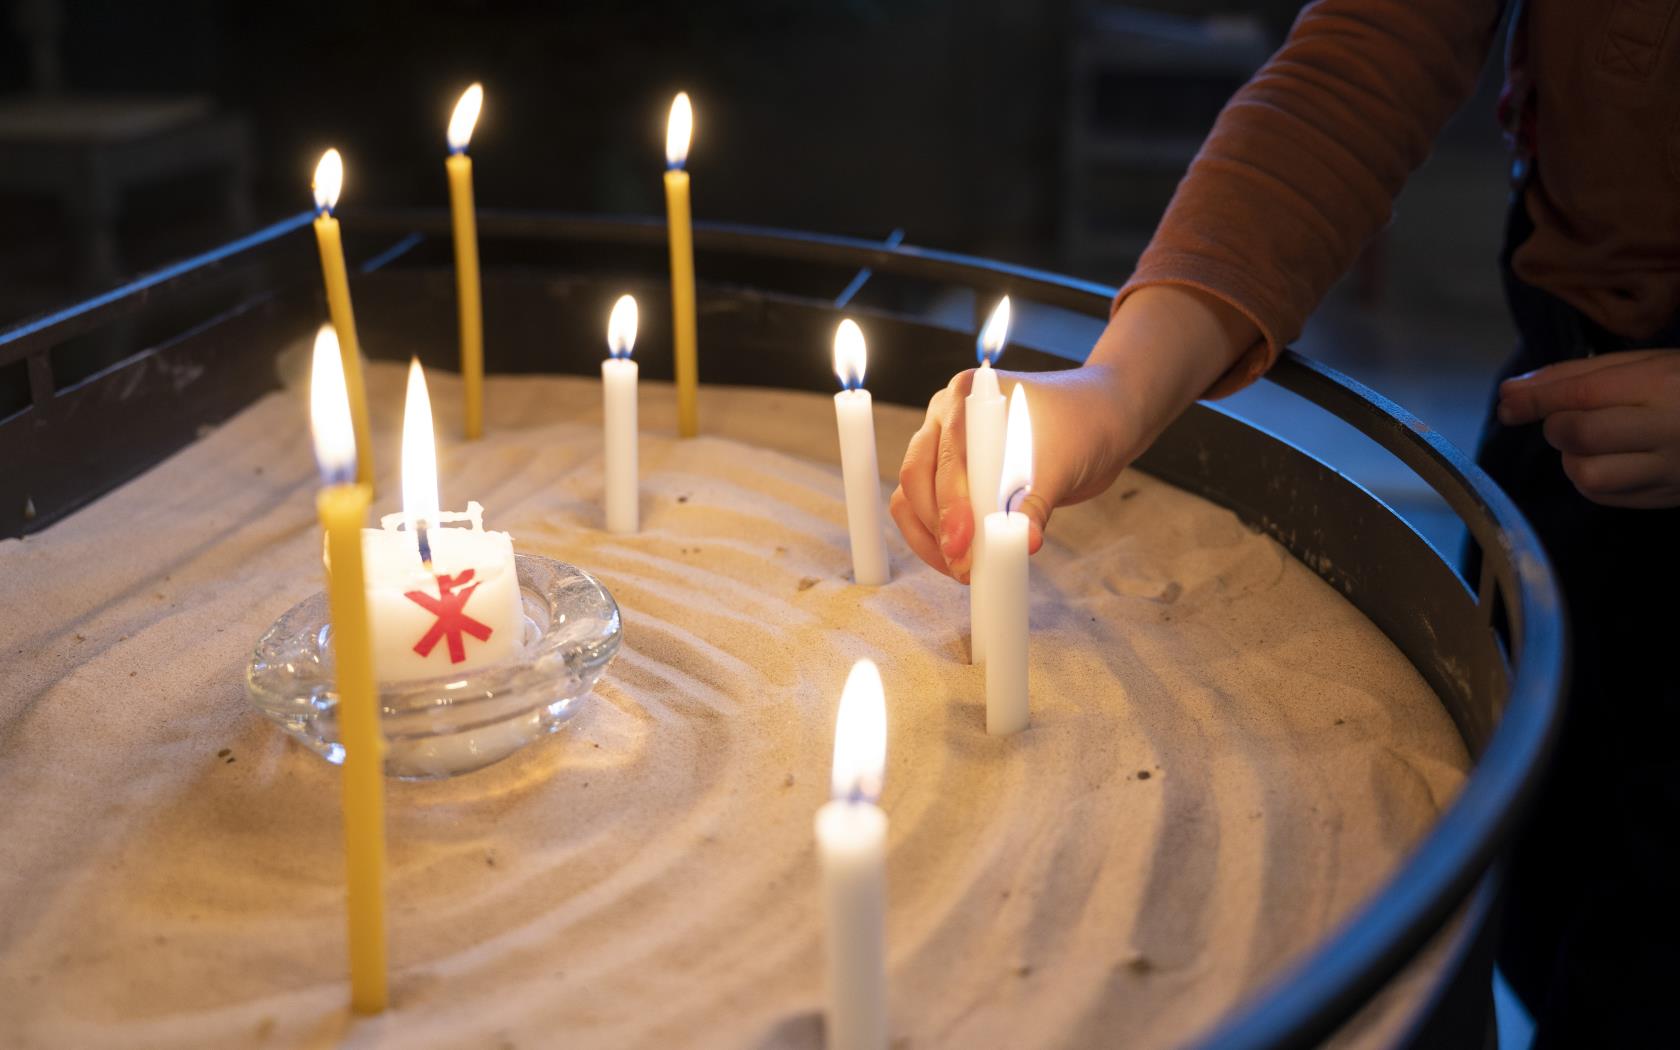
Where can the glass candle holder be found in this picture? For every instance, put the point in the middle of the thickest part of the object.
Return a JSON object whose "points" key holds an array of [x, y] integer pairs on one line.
{"points": [[442, 727]]}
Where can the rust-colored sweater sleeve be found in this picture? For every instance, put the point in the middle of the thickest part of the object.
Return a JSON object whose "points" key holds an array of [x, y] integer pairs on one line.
{"points": [[1303, 165]]}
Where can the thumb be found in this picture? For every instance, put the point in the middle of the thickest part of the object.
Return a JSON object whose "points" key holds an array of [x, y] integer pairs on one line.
{"points": [[1037, 507]]}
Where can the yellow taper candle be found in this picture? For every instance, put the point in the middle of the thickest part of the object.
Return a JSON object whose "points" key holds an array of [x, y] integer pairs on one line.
{"points": [[329, 180], [461, 125], [678, 130], [343, 506]]}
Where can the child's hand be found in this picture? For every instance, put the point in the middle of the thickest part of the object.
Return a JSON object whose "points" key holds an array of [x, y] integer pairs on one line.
{"points": [[1615, 418], [1161, 350], [1080, 445]]}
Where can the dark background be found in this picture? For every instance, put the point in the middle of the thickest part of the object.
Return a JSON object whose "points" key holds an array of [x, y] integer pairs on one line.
{"points": [[1045, 132], [951, 119]]}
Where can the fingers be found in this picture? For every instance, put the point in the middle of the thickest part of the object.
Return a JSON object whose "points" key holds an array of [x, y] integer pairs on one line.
{"points": [[1606, 430], [1617, 476], [1644, 499], [1599, 382], [915, 533], [950, 491], [1580, 366], [915, 476]]}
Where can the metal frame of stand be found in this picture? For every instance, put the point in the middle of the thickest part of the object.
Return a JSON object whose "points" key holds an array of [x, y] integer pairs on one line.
{"points": [[203, 336]]}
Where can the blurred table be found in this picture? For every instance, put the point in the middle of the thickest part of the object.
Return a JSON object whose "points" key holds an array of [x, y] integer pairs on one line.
{"points": [[88, 151]]}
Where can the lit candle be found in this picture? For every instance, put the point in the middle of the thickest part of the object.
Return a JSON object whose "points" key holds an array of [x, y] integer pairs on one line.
{"points": [[983, 416], [618, 396], [329, 180], [441, 600], [343, 505], [1005, 551], [679, 128], [856, 417], [852, 848], [471, 312]]}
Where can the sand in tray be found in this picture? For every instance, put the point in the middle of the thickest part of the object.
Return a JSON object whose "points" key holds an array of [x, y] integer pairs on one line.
{"points": [[1225, 758]]}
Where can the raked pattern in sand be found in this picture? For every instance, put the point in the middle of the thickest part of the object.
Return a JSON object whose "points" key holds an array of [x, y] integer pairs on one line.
{"points": [[1224, 759]]}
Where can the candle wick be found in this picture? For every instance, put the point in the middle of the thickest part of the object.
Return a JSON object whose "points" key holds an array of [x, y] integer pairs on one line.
{"points": [[425, 544], [1016, 499]]}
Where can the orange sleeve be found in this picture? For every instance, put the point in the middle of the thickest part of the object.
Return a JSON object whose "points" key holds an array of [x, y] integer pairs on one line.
{"points": [[1302, 166]]}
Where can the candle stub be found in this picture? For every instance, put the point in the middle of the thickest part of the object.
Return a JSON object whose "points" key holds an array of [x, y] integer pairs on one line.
{"points": [[462, 612]]}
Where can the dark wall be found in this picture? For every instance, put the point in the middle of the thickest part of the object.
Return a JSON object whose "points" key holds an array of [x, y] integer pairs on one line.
{"points": [[851, 116], [945, 117]]}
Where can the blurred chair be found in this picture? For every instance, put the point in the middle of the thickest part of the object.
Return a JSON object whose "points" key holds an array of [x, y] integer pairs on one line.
{"points": [[89, 151], [1143, 87]]}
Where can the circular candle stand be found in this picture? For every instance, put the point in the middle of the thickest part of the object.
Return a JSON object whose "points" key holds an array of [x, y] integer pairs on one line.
{"points": [[452, 724], [1491, 640]]}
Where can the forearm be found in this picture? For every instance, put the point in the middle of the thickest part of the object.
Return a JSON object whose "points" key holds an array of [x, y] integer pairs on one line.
{"points": [[1166, 346], [1303, 164]]}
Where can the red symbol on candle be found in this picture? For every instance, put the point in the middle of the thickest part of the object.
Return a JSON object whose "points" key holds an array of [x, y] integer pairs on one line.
{"points": [[452, 620]]}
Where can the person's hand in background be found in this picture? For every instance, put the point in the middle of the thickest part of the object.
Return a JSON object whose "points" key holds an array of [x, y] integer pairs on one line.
{"points": [[1614, 417], [1163, 348]]}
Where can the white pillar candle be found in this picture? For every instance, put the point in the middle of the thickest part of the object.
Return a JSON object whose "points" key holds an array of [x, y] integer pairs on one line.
{"points": [[852, 849], [1005, 552], [618, 395], [983, 415], [855, 415], [461, 612], [440, 600]]}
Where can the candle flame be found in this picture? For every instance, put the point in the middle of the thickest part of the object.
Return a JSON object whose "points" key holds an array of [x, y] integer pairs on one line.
{"points": [[679, 129], [621, 327], [994, 334], [850, 354], [860, 735], [329, 180], [1016, 480], [465, 117], [329, 411], [419, 453]]}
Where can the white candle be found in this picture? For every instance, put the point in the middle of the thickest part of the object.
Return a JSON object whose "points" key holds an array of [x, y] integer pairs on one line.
{"points": [[440, 600], [855, 414], [983, 415], [618, 403], [1005, 552], [852, 849]]}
